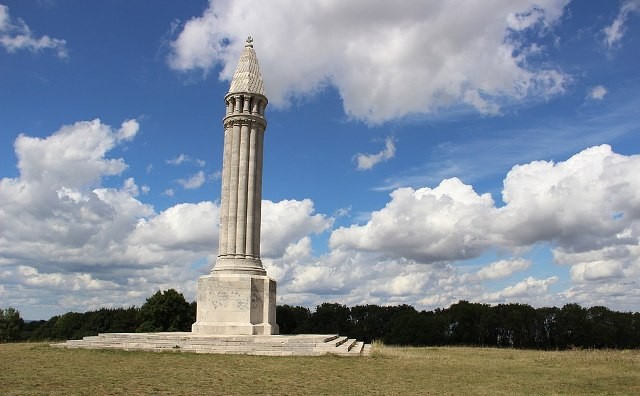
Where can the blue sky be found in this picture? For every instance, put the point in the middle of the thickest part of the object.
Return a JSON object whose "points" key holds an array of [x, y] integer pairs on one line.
{"points": [[419, 153]]}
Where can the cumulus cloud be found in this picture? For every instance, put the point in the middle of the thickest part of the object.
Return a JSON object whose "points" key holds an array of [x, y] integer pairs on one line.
{"points": [[426, 225], [503, 268], [62, 231], [597, 93], [614, 32], [386, 61], [193, 182], [16, 35], [288, 221], [586, 208], [368, 161], [584, 203], [527, 288], [53, 160]]}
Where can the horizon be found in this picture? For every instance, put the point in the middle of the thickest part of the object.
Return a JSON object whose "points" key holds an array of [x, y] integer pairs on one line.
{"points": [[413, 155]]}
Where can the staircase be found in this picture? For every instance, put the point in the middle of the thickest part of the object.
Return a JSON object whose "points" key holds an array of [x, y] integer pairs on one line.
{"points": [[273, 345]]}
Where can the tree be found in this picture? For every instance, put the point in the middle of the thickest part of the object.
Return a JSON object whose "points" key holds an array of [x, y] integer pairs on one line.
{"points": [[10, 325], [547, 331], [574, 327], [290, 319], [329, 318], [407, 328], [471, 324], [166, 311]]}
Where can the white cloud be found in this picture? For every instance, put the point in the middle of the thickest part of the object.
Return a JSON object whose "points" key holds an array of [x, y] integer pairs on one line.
{"points": [[583, 203], [596, 270], [426, 225], [614, 32], [131, 187], [53, 160], [386, 61], [16, 35], [288, 221], [4, 17], [587, 208], [475, 99], [183, 158], [503, 268], [528, 288], [61, 281], [188, 227], [59, 224], [597, 92], [64, 231], [193, 182], [128, 130], [368, 161], [178, 160]]}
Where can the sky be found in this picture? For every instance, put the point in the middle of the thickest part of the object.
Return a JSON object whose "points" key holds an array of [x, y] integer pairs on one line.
{"points": [[417, 152]]}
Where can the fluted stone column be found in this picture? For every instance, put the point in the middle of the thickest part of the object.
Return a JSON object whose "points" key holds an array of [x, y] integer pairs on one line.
{"points": [[238, 297]]}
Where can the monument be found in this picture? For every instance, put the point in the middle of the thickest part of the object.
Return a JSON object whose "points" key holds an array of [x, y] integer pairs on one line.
{"points": [[238, 297], [236, 302]]}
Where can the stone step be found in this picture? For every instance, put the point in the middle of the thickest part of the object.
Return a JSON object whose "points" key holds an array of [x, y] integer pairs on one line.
{"points": [[357, 347], [347, 345], [278, 345]]}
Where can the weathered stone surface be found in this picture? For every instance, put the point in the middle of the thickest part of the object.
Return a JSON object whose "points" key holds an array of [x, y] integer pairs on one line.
{"points": [[271, 345], [236, 304], [237, 297]]}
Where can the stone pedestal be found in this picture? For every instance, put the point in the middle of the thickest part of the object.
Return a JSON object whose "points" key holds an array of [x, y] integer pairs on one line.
{"points": [[241, 304]]}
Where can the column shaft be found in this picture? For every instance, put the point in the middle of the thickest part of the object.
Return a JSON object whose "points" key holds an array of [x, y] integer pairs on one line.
{"points": [[251, 191], [258, 194], [233, 190], [224, 199], [243, 171]]}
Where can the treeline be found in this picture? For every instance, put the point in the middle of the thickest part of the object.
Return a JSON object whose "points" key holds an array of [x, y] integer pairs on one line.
{"points": [[471, 324], [164, 311], [463, 323]]}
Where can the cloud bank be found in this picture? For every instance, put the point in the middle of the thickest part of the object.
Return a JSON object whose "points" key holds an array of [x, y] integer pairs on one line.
{"points": [[69, 243], [386, 61]]}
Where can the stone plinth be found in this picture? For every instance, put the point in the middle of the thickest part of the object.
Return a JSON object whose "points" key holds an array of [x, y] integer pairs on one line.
{"points": [[239, 304], [273, 345]]}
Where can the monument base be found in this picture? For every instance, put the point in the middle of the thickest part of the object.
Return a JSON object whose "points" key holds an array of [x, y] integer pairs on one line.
{"points": [[270, 345], [236, 304]]}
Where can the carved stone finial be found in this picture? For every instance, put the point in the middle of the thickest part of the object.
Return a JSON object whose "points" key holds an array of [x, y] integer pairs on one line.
{"points": [[249, 42]]}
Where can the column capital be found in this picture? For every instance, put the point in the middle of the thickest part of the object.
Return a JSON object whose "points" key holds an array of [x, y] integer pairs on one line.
{"points": [[244, 119]]}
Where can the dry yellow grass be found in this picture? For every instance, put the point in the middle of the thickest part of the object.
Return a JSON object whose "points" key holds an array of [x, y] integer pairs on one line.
{"points": [[31, 369]]}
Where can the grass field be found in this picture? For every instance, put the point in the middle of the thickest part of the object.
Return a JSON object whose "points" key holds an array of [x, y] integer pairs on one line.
{"points": [[27, 369]]}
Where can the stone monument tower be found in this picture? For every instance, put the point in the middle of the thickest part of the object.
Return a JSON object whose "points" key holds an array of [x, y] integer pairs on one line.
{"points": [[237, 300], [238, 297]]}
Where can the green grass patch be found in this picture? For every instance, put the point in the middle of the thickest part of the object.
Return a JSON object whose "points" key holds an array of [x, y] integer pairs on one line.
{"points": [[33, 369]]}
